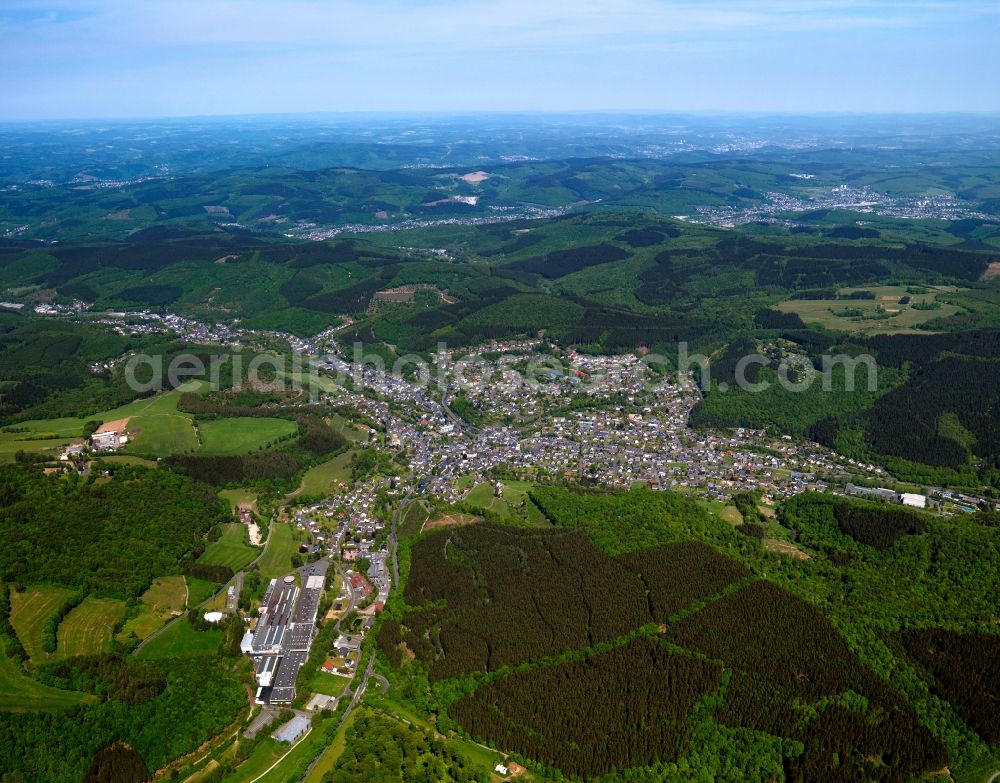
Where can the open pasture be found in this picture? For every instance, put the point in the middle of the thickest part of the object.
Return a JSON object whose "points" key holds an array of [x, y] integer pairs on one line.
{"points": [[231, 436], [884, 314], [87, 629], [30, 610], [231, 549], [20, 693], [165, 596]]}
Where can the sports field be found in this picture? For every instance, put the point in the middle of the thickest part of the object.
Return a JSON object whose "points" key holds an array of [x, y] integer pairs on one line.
{"points": [[29, 611], [87, 629], [231, 550]]}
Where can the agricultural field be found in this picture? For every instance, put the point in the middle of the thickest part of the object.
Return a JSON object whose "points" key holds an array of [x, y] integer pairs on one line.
{"points": [[319, 479], [165, 597], [231, 436], [231, 549], [10, 445], [30, 610], [182, 639], [199, 590], [87, 629], [162, 434], [240, 498], [882, 314], [20, 693], [284, 543]]}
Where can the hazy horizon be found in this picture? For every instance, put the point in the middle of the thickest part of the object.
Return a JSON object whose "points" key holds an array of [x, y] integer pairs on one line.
{"points": [[105, 60]]}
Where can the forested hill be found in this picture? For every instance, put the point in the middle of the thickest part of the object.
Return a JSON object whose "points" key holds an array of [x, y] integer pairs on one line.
{"points": [[107, 536]]}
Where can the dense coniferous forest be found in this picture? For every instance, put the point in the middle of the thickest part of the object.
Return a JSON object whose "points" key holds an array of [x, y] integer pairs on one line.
{"points": [[964, 669], [677, 575], [511, 596], [789, 672], [794, 676], [878, 526], [624, 708], [109, 536]]}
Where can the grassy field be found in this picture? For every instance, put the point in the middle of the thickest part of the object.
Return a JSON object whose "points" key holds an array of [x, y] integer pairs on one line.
{"points": [[162, 434], [72, 427], [514, 501], [412, 520], [332, 753], [128, 459], [182, 639], [87, 629], [347, 428], [262, 757], [874, 316], [51, 434], [226, 437], [20, 693], [232, 549], [10, 445], [165, 596], [319, 479], [158, 428], [484, 497], [278, 558], [327, 684], [240, 497], [199, 590], [29, 611]]}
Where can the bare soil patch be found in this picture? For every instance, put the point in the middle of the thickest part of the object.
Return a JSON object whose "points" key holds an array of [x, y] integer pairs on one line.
{"points": [[449, 520], [785, 548]]}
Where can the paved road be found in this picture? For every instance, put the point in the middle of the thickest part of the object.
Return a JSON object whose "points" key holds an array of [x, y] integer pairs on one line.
{"points": [[233, 601], [239, 576], [393, 540], [356, 696]]}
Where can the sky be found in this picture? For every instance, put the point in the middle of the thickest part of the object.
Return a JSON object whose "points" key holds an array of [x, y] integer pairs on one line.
{"points": [[159, 58]]}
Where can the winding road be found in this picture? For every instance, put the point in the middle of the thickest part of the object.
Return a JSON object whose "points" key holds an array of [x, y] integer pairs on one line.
{"points": [[237, 579], [369, 672]]}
